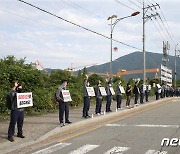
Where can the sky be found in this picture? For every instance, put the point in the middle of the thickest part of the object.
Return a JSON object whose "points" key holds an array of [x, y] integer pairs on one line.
{"points": [[31, 33]]}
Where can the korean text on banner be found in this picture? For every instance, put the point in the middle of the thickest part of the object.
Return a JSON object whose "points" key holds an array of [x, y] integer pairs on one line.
{"points": [[66, 96], [24, 100], [112, 91], [90, 91], [122, 89], [102, 91]]}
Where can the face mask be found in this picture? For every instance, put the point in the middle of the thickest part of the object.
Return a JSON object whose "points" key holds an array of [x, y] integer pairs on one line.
{"points": [[19, 90]]}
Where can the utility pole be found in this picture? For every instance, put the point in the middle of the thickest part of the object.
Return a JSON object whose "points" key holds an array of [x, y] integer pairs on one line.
{"points": [[175, 67], [145, 19]]}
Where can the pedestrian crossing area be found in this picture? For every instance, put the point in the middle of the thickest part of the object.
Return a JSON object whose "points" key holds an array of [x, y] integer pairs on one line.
{"points": [[58, 148]]}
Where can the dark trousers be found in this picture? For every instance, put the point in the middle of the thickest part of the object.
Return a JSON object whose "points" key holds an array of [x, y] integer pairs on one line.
{"points": [[147, 96], [108, 103], [136, 98], [141, 98], [157, 95], [128, 100], [86, 106], [119, 100], [63, 107], [98, 105], [16, 117]]}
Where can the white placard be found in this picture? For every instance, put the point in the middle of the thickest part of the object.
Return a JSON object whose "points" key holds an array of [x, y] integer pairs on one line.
{"points": [[122, 89], [158, 86], [144, 87], [112, 90], [66, 96], [24, 100], [149, 87], [90, 91], [102, 91]]}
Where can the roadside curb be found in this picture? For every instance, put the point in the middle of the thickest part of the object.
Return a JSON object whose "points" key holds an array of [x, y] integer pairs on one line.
{"points": [[88, 122]]}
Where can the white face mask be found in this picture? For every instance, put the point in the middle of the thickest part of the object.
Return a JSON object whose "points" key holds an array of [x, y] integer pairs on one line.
{"points": [[110, 85], [88, 84]]}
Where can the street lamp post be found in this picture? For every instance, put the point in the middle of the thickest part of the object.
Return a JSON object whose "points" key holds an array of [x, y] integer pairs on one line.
{"points": [[111, 35]]}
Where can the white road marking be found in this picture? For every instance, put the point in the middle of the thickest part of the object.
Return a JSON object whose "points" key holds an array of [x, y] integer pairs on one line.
{"points": [[52, 148], [155, 152], [144, 125], [117, 150], [84, 149]]}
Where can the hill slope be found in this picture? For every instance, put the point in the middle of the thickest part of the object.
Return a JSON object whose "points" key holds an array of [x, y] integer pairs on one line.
{"points": [[134, 61]]}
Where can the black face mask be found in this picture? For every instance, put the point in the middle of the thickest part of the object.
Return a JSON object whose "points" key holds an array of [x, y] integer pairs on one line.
{"points": [[19, 90]]}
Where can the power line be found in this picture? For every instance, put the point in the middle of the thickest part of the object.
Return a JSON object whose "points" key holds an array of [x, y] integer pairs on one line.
{"points": [[81, 9], [125, 5], [166, 30], [135, 4], [77, 25], [31, 19], [158, 30]]}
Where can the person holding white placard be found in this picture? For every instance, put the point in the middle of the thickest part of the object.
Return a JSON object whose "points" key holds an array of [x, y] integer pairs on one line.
{"points": [[136, 93], [108, 97], [119, 95], [142, 91], [63, 106], [128, 95], [86, 99], [148, 88], [98, 99], [17, 114]]}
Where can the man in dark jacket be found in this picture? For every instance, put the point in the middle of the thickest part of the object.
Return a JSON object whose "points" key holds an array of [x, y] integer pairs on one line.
{"points": [[108, 97], [98, 99], [63, 106], [119, 96], [86, 106], [136, 93], [17, 114], [128, 95]]}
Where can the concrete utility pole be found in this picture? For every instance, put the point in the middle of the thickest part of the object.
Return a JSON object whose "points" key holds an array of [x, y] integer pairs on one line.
{"points": [[145, 18], [175, 66]]}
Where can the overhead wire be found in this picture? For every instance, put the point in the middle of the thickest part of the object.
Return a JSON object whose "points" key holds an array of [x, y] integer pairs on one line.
{"points": [[125, 5], [135, 4], [32, 20], [77, 25], [81, 9], [158, 30]]}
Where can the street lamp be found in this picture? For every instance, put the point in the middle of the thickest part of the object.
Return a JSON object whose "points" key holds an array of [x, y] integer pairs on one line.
{"points": [[112, 28]]}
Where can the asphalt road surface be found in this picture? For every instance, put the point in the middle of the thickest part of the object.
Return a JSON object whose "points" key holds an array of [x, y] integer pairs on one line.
{"points": [[138, 134]]}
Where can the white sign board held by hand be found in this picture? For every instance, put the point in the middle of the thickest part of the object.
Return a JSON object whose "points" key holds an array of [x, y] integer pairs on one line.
{"points": [[90, 91], [122, 89], [102, 91], [24, 100], [66, 96], [112, 91]]}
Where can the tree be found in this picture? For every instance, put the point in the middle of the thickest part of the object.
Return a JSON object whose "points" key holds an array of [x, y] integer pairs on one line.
{"points": [[85, 72], [94, 78]]}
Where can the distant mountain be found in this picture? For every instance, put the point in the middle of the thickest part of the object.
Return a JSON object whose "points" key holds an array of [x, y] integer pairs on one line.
{"points": [[134, 61]]}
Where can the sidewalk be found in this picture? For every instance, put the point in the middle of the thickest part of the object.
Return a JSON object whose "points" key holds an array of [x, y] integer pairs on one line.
{"points": [[37, 126]]}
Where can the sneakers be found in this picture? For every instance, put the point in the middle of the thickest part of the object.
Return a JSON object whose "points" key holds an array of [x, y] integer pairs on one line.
{"points": [[21, 136], [10, 139], [62, 124], [98, 114], [68, 122]]}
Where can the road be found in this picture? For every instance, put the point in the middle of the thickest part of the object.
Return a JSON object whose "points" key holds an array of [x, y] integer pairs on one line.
{"points": [[136, 134]]}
